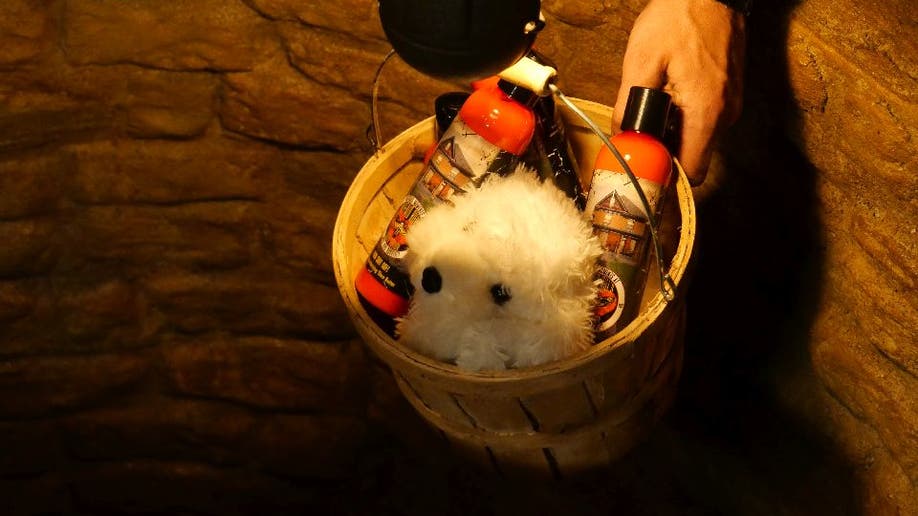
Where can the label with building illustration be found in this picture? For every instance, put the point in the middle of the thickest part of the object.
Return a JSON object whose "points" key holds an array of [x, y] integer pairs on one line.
{"points": [[621, 224], [459, 163]]}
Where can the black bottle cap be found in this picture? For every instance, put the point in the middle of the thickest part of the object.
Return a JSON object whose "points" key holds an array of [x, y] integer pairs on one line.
{"points": [[518, 93], [647, 111], [446, 106]]}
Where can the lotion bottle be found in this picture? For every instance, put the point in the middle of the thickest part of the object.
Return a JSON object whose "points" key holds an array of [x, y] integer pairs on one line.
{"points": [[616, 212], [489, 134]]}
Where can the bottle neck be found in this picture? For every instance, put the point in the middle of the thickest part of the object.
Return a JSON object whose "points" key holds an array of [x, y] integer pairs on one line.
{"points": [[518, 93], [647, 157], [495, 116]]}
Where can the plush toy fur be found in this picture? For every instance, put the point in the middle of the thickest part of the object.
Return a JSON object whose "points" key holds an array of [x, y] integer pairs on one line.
{"points": [[502, 278]]}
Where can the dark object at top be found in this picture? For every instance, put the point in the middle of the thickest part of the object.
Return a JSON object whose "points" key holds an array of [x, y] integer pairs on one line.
{"points": [[460, 38], [647, 111]]}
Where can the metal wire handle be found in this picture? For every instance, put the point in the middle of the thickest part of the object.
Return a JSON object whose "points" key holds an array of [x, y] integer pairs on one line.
{"points": [[667, 284], [373, 133]]}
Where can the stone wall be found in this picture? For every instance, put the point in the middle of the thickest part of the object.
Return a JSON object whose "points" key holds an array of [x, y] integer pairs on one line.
{"points": [[171, 338], [853, 69]]}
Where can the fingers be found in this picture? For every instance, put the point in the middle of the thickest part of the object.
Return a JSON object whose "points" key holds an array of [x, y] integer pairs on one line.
{"points": [[700, 106], [693, 50], [704, 103], [638, 69], [695, 151], [702, 118]]}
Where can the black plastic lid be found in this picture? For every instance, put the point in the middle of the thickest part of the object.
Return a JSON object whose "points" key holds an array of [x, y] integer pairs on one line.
{"points": [[460, 38], [647, 111], [518, 93]]}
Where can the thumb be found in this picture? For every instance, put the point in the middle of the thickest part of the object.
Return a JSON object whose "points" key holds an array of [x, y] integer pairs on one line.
{"points": [[639, 68]]}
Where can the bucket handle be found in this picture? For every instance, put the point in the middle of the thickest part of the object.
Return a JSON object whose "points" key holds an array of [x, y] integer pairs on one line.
{"points": [[373, 133]]}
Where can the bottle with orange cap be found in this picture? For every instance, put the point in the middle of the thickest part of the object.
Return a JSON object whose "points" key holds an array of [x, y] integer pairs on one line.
{"points": [[491, 131], [616, 212]]}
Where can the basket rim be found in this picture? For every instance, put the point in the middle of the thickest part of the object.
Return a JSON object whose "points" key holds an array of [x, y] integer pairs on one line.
{"points": [[402, 149]]}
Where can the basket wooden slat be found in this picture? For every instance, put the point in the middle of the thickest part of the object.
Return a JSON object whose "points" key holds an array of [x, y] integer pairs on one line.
{"points": [[519, 461], [559, 410], [576, 455], [556, 419], [495, 414]]}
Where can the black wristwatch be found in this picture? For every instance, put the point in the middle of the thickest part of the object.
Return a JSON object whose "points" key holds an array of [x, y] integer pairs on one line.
{"points": [[743, 7]]}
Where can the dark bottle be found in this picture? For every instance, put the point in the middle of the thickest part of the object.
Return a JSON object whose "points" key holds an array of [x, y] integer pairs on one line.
{"points": [[618, 216], [491, 131], [559, 165], [550, 153], [446, 107]]}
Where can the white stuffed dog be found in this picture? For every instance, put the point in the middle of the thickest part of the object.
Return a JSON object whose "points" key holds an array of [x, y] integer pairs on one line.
{"points": [[502, 278]]}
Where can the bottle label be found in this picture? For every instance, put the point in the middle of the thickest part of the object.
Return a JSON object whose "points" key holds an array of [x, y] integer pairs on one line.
{"points": [[458, 164], [621, 224], [611, 300]]}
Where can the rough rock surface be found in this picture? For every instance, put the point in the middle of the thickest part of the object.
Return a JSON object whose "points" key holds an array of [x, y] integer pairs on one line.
{"points": [[172, 340]]}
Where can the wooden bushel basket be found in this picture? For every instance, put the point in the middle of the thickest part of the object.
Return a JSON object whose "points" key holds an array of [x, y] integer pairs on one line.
{"points": [[558, 419]]}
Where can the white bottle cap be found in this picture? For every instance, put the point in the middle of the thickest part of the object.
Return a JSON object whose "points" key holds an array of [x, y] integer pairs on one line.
{"points": [[530, 75]]}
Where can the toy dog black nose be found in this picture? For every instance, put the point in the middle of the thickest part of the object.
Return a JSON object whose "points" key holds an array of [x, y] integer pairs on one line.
{"points": [[431, 280], [500, 293]]}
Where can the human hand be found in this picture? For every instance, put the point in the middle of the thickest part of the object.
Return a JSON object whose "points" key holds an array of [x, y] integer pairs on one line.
{"points": [[694, 50]]}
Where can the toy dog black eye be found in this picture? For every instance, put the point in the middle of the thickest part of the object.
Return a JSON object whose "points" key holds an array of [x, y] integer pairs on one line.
{"points": [[431, 280], [500, 293]]}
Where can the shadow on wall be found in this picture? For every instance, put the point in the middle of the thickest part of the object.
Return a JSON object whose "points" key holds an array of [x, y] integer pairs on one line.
{"points": [[756, 291]]}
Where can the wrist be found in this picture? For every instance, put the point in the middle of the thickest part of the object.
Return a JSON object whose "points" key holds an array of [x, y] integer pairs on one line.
{"points": [[743, 7]]}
